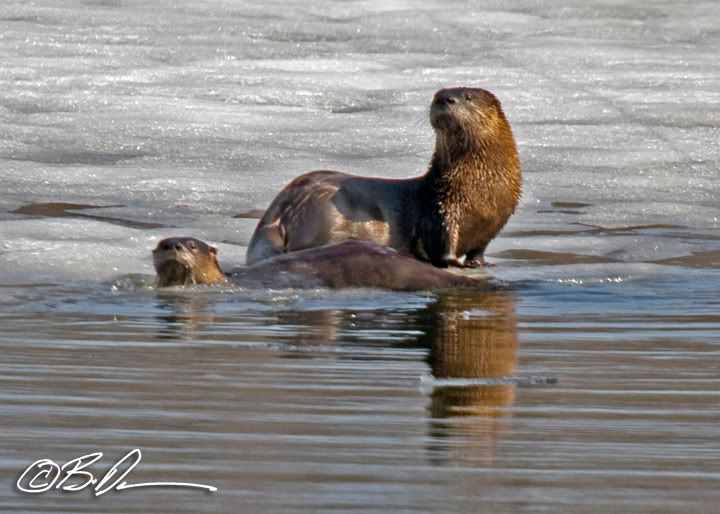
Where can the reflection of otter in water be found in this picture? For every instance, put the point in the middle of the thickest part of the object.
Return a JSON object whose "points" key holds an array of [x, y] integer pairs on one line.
{"points": [[470, 190], [186, 260], [182, 315], [471, 336]]}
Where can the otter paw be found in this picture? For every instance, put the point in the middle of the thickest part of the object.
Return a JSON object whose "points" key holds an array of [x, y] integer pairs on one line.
{"points": [[475, 263]]}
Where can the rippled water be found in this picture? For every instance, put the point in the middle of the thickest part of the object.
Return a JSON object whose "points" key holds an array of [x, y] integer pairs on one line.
{"points": [[587, 384], [544, 398]]}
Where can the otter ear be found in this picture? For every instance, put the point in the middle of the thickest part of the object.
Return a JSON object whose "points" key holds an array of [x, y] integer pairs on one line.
{"points": [[213, 250]]}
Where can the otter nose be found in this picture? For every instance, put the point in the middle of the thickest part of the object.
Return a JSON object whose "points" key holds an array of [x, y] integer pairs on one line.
{"points": [[445, 98]]}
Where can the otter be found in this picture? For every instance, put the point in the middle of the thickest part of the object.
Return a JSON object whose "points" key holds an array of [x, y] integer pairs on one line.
{"points": [[470, 190], [181, 261], [185, 260]]}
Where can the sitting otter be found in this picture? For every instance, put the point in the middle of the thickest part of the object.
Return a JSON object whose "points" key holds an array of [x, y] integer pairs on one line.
{"points": [[186, 260], [470, 190]]}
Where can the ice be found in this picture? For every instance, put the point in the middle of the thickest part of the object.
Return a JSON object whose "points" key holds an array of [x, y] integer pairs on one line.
{"points": [[71, 250], [186, 113], [88, 251]]}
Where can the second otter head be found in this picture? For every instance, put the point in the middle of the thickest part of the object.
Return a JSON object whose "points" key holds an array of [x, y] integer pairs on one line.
{"points": [[185, 260], [474, 111]]}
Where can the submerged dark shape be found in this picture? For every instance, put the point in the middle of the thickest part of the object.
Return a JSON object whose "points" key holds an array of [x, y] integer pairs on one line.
{"points": [[352, 263], [67, 210], [470, 190]]}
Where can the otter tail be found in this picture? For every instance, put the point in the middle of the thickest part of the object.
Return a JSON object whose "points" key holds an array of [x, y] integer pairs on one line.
{"points": [[267, 241]]}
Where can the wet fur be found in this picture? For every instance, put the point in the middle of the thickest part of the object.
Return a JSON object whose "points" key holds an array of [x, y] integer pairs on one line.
{"points": [[183, 261], [469, 192], [353, 263], [348, 264]]}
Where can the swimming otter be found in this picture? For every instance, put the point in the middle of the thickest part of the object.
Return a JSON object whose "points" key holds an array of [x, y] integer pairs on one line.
{"points": [[186, 260], [183, 261], [470, 190]]}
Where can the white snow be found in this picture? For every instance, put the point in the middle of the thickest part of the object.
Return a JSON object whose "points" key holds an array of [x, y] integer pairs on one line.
{"points": [[187, 112]]}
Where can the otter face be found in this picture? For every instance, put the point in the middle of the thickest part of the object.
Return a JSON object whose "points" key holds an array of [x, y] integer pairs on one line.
{"points": [[185, 260], [463, 108], [182, 250]]}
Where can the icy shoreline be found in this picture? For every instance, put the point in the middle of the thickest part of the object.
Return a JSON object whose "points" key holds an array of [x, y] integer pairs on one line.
{"points": [[187, 115]]}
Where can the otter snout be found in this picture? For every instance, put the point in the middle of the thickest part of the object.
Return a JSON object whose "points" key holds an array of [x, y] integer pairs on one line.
{"points": [[461, 107], [443, 107], [174, 249], [446, 97], [180, 244], [171, 246]]}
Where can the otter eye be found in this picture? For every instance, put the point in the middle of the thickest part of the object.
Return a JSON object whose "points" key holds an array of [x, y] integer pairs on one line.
{"points": [[192, 245], [468, 97], [165, 246]]}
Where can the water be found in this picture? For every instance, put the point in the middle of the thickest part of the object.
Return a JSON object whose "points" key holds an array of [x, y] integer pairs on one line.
{"points": [[589, 385]]}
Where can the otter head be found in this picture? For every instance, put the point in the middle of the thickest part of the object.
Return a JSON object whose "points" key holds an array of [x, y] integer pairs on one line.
{"points": [[465, 116], [185, 260]]}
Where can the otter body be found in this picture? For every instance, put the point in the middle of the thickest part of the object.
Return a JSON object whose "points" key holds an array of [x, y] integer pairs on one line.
{"points": [[353, 263], [185, 260], [453, 211]]}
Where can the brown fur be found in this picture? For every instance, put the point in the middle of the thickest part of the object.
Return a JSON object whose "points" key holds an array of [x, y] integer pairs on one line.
{"points": [[354, 263], [348, 264], [183, 261], [469, 192]]}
